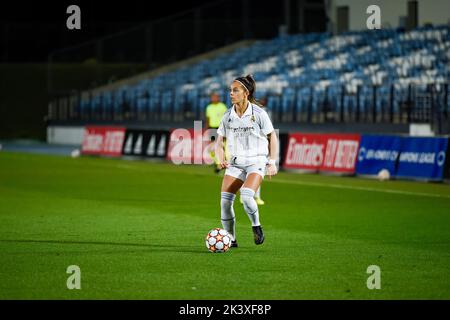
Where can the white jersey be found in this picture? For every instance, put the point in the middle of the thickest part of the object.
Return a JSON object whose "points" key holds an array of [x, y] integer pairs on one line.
{"points": [[246, 136]]}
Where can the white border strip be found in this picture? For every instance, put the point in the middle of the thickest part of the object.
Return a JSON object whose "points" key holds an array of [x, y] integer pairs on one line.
{"points": [[341, 186]]}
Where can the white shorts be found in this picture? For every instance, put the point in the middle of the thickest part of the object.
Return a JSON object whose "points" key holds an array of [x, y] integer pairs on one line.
{"points": [[242, 168]]}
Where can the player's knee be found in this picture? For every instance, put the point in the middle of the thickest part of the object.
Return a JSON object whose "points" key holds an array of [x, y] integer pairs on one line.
{"points": [[247, 196], [227, 199]]}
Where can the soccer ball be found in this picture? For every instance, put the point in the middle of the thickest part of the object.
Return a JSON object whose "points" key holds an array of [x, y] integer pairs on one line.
{"points": [[75, 153], [218, 240], [384, 175]]}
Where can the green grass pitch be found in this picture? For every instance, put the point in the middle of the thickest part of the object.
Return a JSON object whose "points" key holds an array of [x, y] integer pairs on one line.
{"points": [[136, 229]]}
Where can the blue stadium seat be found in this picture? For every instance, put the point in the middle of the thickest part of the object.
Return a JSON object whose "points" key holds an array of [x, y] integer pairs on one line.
{"points": [[296, 72]]}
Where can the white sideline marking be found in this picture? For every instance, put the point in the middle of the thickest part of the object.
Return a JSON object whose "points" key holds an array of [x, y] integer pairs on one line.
{"points": [[318, 184], [341, 186]]}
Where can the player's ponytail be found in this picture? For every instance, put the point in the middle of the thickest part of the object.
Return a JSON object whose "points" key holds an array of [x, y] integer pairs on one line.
{"points": [[249, 83]]}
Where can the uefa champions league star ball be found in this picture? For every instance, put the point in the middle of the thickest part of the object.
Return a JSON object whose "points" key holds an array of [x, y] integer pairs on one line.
{"points": [[384, 175], [75, 153], [218, 240]]}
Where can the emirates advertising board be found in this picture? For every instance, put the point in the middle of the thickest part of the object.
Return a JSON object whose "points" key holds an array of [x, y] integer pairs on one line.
{"points": [[315, 152], [102, 140]]}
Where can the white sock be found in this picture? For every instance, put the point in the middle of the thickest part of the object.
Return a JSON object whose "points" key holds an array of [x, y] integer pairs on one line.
{"points": [[250, 206], [227, 212], [258, 193]]}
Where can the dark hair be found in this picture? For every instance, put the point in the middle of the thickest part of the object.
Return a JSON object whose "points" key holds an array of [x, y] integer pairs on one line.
{"points": [[250, 84]]}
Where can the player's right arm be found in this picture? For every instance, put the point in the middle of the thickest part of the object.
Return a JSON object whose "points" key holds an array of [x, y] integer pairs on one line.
{"points": [[220, 152], [220, 144]]}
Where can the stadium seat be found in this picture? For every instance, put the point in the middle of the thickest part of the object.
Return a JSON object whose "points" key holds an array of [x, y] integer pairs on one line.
{"points": [[296, 73]]}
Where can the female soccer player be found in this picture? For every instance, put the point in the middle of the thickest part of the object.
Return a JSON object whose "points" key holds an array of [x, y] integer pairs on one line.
{"points": [[253, 147]]}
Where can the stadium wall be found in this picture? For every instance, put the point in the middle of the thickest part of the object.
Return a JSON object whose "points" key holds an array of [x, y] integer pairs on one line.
{"points": [[429, 11], [379, 156], [65, 135], [24, 92], [23, 101]]}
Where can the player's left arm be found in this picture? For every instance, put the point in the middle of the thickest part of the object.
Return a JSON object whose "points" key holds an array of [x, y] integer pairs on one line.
{"points": [[273, 154], [268, 129]]}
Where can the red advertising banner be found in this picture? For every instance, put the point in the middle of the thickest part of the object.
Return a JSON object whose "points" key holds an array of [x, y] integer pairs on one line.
{"points": [[322, 152], [105, 141]]}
